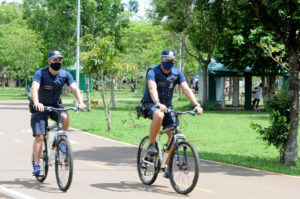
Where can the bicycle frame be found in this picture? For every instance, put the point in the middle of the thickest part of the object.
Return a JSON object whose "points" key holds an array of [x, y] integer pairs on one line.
{"points": [[59, 132], [174, 139]]}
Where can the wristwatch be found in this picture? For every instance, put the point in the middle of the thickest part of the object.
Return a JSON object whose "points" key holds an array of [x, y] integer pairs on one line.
{"points": [[197, 105], [156, 102]]}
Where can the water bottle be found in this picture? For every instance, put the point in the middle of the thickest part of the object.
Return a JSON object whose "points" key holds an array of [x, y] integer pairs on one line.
{"points": [[52, 153], [165, 157]]}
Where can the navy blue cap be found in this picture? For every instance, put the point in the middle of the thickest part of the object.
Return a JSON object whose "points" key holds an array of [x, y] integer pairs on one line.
{"points": [[168, 54], [54, 54]]}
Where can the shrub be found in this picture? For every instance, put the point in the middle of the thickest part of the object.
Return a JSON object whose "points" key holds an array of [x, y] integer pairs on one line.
{"points": [[278, 108]]}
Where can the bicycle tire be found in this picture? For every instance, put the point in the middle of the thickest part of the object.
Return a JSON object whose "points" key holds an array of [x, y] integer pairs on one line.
{"points": [[143, 167], [43, 162], [186, 165], [64, 163]]}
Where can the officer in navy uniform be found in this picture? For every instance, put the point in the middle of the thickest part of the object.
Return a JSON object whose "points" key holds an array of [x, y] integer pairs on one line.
{"points": [[158, 95], [46, 90]]}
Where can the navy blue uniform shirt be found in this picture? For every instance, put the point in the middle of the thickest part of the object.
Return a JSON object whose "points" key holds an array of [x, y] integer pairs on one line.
{"points": [[165, 84], [51, 86]]}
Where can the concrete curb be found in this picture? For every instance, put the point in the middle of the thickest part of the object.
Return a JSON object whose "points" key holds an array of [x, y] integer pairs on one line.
{"points": [[13, 194]]}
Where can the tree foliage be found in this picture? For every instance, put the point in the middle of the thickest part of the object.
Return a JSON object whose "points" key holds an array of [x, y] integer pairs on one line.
{"points": [[276, 134], [20, 49]]}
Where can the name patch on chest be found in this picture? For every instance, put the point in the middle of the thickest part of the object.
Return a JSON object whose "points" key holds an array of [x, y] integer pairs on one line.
{"points": [[159, 83], [48, 87]]}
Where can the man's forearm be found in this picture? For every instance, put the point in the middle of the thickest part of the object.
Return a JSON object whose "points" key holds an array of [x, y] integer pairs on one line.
{"points": [[190, 95], [78, 96], [154, 95], [153, 91], [34, 95]]}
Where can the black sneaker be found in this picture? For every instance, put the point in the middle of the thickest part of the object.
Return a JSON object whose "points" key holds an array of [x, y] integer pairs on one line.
{"points": [[152, 150], [166, 174]]}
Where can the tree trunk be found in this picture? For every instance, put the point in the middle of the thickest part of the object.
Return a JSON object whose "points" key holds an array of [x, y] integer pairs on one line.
{"points": [[26, 85], [3, 83], [112, 94], [87, 87], [205, 96], [103, 94], [230, 89], [180, 60], [265, 90], [106, 109], [271, 84], [291, 146]]}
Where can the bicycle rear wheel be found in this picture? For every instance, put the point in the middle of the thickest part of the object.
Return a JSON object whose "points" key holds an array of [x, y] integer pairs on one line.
{"points": [[64, 164], [184, 168], [43, 162], [146, 164]]}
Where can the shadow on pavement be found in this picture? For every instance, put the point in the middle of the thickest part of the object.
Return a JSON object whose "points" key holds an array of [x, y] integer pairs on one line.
{"points": [[214, 167], [113, 156], [110, 155], [29, 184], [127, 186]]}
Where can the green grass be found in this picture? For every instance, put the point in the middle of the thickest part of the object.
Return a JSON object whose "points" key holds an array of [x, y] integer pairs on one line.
{"points": [[19, 94], [12, 93], [223, 136]]}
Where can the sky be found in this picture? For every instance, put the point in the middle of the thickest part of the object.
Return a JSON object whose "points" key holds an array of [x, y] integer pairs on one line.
{"points": [[143, 5]]}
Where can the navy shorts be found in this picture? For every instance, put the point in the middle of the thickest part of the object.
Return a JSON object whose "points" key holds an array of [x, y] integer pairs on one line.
{"points": [[169, 120], [39, 120]]}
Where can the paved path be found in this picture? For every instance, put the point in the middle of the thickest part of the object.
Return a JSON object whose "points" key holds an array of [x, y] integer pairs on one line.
{"points": [[107, 169]]}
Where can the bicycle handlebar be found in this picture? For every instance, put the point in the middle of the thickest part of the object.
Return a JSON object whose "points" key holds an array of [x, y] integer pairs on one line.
{"points": [[191, 112], [50, 108]]}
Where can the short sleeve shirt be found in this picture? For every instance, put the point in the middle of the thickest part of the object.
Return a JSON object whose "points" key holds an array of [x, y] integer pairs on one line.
{"points": [[51, 86], [165, 84]]}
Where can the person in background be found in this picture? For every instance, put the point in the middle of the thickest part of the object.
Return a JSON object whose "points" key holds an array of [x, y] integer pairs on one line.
{"points": [[257, 96]]}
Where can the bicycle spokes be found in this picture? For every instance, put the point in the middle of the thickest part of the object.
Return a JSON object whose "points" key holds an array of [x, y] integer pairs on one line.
{"points": [[184, 168], [146, 164], [64, 164]]}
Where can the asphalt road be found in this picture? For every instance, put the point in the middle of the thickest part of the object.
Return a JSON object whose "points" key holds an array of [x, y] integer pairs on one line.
{"points": [[105, 168]]}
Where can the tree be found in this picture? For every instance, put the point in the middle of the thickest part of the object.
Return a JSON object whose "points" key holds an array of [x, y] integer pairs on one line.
{"points": [[283, 19], [144, 43], [239, 46], [55, 20], [100, 62], [19, 46], [97, 62], [201, 21]]}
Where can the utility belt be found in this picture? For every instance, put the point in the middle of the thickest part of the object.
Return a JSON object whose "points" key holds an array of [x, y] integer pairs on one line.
{"points": [[142, 110]]}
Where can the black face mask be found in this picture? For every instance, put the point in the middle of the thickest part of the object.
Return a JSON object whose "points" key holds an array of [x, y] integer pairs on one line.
{"points": [[55, 66]]}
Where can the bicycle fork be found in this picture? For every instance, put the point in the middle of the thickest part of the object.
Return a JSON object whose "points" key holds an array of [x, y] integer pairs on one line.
{"points": [[53, 149], [180, 137]]}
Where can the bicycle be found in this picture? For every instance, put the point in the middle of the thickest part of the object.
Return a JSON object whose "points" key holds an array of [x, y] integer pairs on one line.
{"points": [[58, 152], [183, 162]]}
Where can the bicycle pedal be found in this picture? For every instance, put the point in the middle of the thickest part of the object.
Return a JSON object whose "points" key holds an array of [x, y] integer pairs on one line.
{"points": [[37, 175]]}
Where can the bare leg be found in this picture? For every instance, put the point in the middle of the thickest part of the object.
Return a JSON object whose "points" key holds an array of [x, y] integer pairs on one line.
{"points": [[155, 126], [37, 148], [65, 121], [172, 146]]}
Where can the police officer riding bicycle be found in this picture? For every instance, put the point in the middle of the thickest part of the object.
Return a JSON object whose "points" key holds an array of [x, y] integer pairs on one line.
{"points": [[46, 90], [158, 96]]}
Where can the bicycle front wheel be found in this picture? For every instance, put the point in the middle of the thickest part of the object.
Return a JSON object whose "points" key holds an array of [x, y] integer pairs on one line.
{"points": [[146, 164], [64, 164], [184, 168], [43, 162]]}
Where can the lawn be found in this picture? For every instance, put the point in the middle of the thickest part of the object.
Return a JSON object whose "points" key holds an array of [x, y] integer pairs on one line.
{"points": [[19, 94], [223, 136], [14, 93]]}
